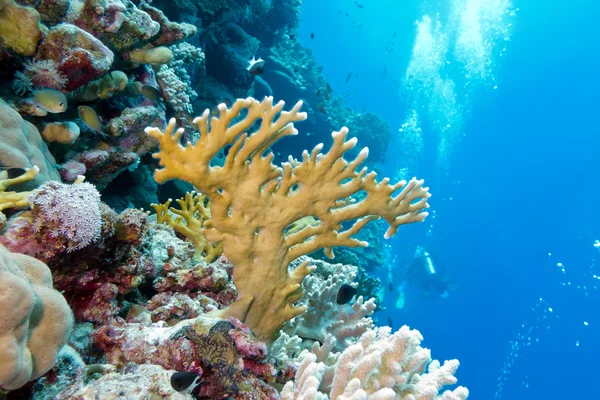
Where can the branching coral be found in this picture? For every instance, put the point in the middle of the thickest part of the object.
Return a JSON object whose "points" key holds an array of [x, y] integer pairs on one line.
{"points": [[324, 316], [253, 202], [14, 199], [190, 219], [382, 366]]}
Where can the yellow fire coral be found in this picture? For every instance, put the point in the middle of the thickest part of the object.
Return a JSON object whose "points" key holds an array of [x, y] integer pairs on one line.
{"points": [[253, 202], [15, 199], [189, 223]]}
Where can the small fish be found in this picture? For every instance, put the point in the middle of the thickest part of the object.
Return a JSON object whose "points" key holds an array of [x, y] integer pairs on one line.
{"points": [[345, 294], [318, 92], [11, 173], [150, 93], [390, 322], [50, 100], [329, 88], [391, 286], [256, 67], [185, 382], [322, 109], [292, 37], [90, 118], [326, 95], [394, 35], [348, 77], [312, 35]]}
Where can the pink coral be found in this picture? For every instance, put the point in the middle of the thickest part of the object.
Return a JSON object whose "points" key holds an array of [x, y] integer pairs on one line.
{"points": [[67, 212]]}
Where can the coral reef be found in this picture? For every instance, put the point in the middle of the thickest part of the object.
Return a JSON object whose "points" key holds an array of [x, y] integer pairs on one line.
{"points": [[215, 288], [253, 202]]}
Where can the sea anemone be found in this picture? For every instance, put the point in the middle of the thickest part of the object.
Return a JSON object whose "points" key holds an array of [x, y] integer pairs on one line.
{"points": [[43, 74]]}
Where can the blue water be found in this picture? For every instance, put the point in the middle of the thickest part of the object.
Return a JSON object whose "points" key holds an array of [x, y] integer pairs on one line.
{"points": [[516, 203]]}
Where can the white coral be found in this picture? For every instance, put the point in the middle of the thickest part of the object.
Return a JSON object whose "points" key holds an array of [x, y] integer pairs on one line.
{"points": [[324, 316], [175, 79], [380, 366]]}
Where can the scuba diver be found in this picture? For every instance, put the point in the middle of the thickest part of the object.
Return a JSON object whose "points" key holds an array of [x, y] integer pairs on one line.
{"points": [[425, 273]]}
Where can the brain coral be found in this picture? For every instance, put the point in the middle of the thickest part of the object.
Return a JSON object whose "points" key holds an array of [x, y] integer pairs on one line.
{"points": [[22, 146], [35, 321]]}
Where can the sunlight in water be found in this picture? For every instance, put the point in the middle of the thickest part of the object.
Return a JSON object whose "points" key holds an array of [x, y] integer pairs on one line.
{"points": [[481, 25], [450, 60]]}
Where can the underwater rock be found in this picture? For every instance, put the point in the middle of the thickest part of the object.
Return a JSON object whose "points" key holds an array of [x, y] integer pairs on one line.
{"points": [[123, 24], [69, 368], [170, 32], [78, 55], [134, 382], [103, 166], [212, 280], [20, 29], [52, 11]]}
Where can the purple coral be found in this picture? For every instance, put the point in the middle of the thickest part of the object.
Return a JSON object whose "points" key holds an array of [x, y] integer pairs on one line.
{"points": [[65, 211]]}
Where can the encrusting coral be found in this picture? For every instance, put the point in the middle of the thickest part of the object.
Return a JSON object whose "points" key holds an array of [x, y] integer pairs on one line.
{"points": [[189, 222], [253, 202]]}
